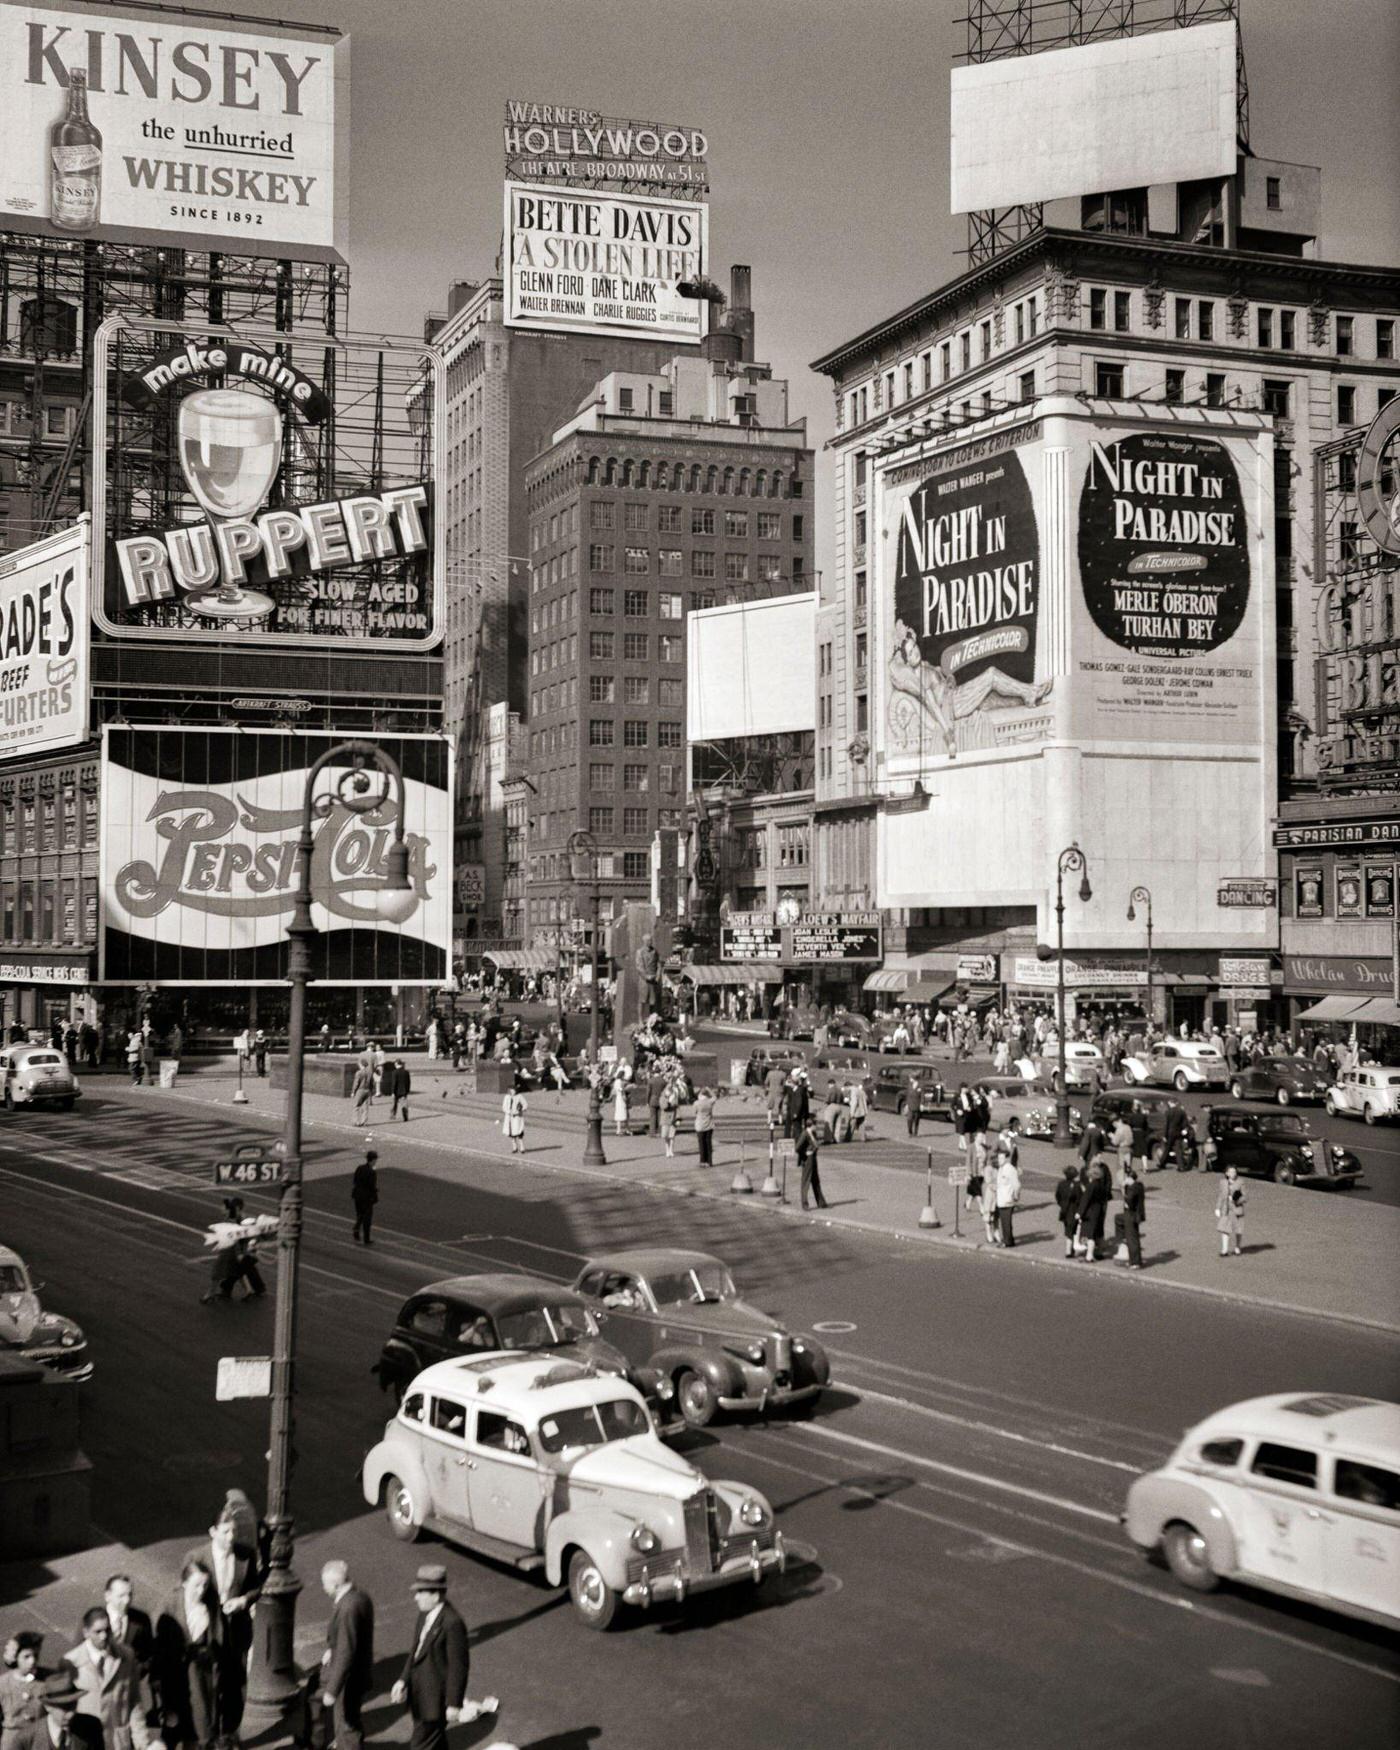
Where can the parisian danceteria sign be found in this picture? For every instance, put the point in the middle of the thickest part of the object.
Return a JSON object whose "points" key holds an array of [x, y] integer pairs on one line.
{"points": [[962, 672], [199, 862], [586, 262], [127, 126]]}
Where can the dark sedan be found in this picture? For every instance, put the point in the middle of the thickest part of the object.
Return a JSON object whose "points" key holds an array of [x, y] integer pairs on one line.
{"points": [[1282, 1079], [763, 1058], [1281, 1146], [892, 1085], [469, 1315], [677, 1317]]}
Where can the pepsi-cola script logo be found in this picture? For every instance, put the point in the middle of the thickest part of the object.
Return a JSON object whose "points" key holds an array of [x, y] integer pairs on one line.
{"points": [[213, 864]]}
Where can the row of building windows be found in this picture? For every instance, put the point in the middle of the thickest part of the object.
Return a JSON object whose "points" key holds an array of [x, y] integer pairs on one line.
{"points": [[60, 911], [636, 519], [636, 779], [1110, 310], [738, 567], [636, 690], [637, 603], [636, 731], [561, 696]]}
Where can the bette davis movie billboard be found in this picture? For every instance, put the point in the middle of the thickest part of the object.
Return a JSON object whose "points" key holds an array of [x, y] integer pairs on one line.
{"points": [[198, 871], [964, 667], [1167, 616], [146, 125]]}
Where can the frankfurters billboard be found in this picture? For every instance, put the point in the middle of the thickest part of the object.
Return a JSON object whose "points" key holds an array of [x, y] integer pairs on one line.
{"points": [[146, 125], [44, 621], [198, 868], [1071, 639]]}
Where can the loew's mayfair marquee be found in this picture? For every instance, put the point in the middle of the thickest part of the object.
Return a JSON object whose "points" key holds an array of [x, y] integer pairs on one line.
{"points": [[44, 620], [199, 861], [271, 527], [145, 125]]}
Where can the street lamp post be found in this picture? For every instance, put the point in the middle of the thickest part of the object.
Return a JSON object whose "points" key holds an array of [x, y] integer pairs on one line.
{"points": [[273, 1679], [583, 864], [1070, 858], [1143, 896]]}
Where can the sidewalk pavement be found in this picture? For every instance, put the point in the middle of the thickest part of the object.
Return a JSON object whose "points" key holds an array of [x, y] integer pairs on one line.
{"points": [[1319, 1253]]}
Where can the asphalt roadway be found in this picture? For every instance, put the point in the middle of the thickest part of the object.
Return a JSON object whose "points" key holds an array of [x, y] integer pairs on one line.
{"points": [[961, 1577]]}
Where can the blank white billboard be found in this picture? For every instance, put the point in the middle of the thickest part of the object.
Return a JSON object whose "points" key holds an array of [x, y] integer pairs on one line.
{"points": [[751, 669], [1108, 115]]}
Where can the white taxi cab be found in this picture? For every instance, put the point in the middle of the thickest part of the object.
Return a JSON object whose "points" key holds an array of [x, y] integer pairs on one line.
{"points": [[1179, 1064], [1298, 1493], [552, 1465], [36, 1075], [1371, 1092], [1085, 1065]]}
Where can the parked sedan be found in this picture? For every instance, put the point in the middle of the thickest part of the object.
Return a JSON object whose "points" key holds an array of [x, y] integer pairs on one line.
{"points": [[891, 1090], [766, 1057], [1032, 1102], [1371, 1092], [1179, 1064], [1283, 1079], [469, 1315], [1149, 1115], [37, 1075], [846, 1029], [677, 1317], [30, 1333], [1282, 1146]]}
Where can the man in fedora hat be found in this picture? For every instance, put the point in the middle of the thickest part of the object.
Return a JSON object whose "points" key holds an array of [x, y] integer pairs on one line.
{"points": [[434, 1680], [62, 1727]]}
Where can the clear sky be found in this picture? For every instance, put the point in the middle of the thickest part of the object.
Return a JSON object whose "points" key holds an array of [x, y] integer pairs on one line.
{"points": [[828, 130]]}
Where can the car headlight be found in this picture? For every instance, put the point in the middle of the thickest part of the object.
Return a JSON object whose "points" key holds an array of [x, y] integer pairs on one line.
{"points": [[644, 1540], [68, 1340], [665, 1389], [755, 1353], [753, 1512], [1306, 1151]]}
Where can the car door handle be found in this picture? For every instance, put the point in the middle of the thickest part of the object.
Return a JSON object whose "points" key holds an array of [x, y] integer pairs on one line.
{"points": [[469, 1462], [1317, 1513]]}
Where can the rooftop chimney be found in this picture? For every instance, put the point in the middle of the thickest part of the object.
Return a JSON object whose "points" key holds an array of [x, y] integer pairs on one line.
{"points": [[740, 317]]}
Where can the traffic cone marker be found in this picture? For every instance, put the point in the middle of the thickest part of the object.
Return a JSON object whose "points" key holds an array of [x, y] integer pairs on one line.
{"points": [[741, 1183]]}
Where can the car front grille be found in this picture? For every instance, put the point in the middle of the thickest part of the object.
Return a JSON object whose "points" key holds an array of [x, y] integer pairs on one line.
{"points": [[697, 1533], [779, 1347]]}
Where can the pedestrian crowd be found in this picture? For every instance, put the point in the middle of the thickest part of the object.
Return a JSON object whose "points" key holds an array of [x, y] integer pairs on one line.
{"points": [[174, 1676]]}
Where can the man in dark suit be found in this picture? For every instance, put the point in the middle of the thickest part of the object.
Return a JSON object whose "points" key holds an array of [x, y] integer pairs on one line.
{"points": [[131, 1628], [347, 1665], [62, 1727], [434, 1680], [238, 1582]]}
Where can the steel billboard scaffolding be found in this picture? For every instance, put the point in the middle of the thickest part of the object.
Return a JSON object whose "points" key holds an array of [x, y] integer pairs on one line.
{"points": [[1000, 29]]}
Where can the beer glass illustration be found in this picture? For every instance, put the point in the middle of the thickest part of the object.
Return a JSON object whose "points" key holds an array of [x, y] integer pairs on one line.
{"points": [[230, 448]]}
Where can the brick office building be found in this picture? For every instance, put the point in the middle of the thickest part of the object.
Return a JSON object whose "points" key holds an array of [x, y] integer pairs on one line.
{"points": [[667, 493]]}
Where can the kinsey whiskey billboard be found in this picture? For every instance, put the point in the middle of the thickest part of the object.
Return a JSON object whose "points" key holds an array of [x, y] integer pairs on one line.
{"points": [[143, 125], [247, 503], [198, 868]]}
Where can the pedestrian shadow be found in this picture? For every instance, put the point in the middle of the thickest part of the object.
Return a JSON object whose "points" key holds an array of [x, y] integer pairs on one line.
{"points": [[1258, 1246], [1150, 1260], [491, 1631], [572, 1738]]}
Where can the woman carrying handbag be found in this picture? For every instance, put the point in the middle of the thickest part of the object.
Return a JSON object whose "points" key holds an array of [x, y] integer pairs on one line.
{"points": [[513, 1109], [1229, 1213]]}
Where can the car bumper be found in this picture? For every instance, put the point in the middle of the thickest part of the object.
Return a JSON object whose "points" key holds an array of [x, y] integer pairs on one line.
{"points": [[671, 1581], [1328, 1181], [773, 1398]]}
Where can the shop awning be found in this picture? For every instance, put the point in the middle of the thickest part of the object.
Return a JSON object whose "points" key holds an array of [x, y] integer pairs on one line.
{"points": [[1377, 1012], [1200, 980], [976, 996], [1337, 1009], [926, 990], [889, 978], [734, 972], [523, 959]]}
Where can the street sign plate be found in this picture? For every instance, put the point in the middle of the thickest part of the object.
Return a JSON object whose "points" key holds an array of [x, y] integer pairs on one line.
{"points": [[958, 1175], [243, 1376], [250, 1170]]}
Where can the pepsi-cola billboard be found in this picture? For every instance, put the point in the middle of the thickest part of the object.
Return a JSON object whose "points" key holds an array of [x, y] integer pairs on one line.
{"points": [[265, 489], [199, 863]]}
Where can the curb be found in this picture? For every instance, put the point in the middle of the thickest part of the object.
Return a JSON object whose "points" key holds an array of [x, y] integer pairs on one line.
{"points": [[967, 1246]]}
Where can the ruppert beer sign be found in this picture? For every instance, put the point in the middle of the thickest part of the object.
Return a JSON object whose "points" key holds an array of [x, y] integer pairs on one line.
{"points": [[136, 124], [199, 861], [254, 552]]}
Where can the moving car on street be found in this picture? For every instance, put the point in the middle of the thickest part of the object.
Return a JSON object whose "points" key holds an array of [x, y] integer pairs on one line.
{"points": [[765, 1057], [1282, 1146], [891, 1090], [30, 1333], [543, 1465], [1282, 1079], [1085, 1065], [475, 1315], [842, 1066], [1370, 1092], [37, 1075], [1179, 1064], [1298, 1493], [677, 1317], [1032, 1102]]}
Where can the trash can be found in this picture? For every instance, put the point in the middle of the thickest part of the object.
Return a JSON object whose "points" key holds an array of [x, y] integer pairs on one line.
{"points": [[169, 1069]]}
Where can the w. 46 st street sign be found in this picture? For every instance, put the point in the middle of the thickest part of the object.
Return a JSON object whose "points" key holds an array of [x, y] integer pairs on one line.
{"points": [[252, 1165]]}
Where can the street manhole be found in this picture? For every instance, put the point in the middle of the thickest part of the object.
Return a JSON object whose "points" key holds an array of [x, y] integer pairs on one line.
{"points": [[834, 1327]]}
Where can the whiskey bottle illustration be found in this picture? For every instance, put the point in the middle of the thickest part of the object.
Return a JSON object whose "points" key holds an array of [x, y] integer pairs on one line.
{"points": [[75, 148]]}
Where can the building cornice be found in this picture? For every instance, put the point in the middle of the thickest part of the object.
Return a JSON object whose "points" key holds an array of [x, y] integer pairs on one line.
{"points": [[1064, 249]]}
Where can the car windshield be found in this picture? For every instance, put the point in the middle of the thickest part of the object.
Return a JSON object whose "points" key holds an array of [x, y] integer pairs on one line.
{"points": [[693, 1287], [540, 1326], [1287, 1124], [592, 1425], [12, 1279], [43, 1057]]}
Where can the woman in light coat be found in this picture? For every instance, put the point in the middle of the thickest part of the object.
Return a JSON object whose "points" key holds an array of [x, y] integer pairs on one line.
{"points": [[670, 1105], [1229, 1213], [513, 1109], [988, 1204], [620, 1106]]}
